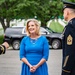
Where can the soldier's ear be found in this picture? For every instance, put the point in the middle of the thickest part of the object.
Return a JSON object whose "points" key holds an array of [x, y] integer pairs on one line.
{"points": [[68, 12]]}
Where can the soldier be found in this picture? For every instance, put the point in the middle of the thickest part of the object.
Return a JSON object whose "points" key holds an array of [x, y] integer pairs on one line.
{"points": [[3, 48], [68, 65]]}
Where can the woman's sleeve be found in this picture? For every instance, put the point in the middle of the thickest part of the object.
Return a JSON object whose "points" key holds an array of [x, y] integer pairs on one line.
{"points": [[46, 49], [22, 49]]}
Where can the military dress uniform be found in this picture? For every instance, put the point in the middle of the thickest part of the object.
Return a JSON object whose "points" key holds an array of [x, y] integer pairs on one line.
{"points": [[68, 42], [2, 49], [68, 67]]}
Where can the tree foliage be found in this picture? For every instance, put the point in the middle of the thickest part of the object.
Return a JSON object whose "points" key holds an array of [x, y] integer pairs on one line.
{"points": [[24, 9]]}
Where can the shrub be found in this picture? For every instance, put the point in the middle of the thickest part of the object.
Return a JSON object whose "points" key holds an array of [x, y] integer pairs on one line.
{"points": [[1, 39]]}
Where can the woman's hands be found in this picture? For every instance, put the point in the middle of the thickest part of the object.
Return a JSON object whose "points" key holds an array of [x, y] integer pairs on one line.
{"points": [[33, 68]]}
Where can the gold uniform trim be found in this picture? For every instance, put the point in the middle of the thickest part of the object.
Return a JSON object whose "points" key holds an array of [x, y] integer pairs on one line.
{"points": [[66, 59], [2, 48], [66, 71], [69, 40]]}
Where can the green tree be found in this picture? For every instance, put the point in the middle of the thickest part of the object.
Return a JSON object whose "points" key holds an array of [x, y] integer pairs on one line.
{"points": [[15, 9], [7, 11], [56, 8], [48, 9], [24, 9]]}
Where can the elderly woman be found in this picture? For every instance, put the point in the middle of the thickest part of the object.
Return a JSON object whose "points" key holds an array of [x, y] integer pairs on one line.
{"points": [[34, 50]]}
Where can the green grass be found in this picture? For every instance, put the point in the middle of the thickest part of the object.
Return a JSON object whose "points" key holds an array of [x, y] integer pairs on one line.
{"points": [[55, 26], [1, 28]]}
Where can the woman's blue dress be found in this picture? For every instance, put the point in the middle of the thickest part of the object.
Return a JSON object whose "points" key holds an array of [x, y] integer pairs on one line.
{"points": [[34, 51]]}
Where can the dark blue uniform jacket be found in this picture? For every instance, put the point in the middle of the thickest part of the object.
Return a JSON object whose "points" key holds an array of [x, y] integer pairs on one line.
{"points": [[68, 65]]}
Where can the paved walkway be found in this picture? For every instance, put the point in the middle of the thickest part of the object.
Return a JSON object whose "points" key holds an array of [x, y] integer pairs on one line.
{"points": [[10, 63]]}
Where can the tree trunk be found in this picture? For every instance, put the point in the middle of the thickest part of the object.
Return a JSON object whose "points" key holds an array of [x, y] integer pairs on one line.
{"points": [[43, 23], [3, 23], [8, 22]]}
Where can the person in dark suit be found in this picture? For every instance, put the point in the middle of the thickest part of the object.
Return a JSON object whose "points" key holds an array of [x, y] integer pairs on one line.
{"points": [[3, 47], [68, 62]]}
